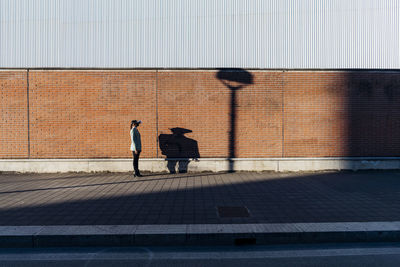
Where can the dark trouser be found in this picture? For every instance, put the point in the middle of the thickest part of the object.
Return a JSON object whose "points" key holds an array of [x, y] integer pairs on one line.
{"points": [[136, 161]]}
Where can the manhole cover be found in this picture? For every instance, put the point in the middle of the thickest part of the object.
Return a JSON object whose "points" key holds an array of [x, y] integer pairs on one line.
{"points": [[233, 212]]}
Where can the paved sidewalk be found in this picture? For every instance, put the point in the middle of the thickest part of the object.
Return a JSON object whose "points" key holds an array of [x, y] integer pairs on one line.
{"points": [[198, 198]]}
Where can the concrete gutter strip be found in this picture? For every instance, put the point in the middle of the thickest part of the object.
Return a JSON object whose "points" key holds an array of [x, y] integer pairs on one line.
{"points": [[197, 234]]}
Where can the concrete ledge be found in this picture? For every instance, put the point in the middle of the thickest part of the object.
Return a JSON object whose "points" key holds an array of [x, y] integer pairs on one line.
{"points": [[203, 164], [198, 234]]}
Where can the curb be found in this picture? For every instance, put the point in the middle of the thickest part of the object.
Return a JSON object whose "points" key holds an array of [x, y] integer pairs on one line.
{"points": [[196, 234]]}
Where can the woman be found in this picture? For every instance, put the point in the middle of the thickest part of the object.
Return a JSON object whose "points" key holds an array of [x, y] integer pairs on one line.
{"points": [[136, 146]]}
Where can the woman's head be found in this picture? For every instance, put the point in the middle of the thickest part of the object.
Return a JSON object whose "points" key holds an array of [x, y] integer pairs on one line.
{"points": [[135, 123]]}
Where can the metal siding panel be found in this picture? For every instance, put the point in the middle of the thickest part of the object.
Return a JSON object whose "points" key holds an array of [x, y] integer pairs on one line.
{"points": [[199, 34]]}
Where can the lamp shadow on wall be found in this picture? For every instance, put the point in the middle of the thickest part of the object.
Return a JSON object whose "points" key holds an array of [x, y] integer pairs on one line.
{"points": [[234, 79], [178, 149]]}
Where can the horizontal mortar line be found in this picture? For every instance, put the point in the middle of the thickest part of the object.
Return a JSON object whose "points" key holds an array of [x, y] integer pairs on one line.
{"points": [[202, 159], [205, 69], [90, 70]]}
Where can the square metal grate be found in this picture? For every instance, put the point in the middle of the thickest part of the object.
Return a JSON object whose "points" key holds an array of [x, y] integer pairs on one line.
{"points": [[233, 212]]}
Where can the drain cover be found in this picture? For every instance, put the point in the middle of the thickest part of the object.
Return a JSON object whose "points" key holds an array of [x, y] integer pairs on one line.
{"points": [[233, 212]]}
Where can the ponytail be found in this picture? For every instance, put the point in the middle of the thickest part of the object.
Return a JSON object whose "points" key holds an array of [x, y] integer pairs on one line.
{"points": [[132, 122]]}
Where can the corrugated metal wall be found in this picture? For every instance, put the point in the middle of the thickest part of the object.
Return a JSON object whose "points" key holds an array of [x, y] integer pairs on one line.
{"points": [[273, 34]]}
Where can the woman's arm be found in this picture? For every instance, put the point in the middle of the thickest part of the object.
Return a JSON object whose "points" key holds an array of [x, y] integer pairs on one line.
{"points": [[133, 139]]}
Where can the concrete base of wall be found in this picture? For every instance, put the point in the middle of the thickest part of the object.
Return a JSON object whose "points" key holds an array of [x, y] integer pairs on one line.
{"points": [[204, 164]]}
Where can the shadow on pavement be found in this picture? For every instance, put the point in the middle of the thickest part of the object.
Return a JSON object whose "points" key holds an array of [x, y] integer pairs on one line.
{"points": [[145, 178], [194, 199]]}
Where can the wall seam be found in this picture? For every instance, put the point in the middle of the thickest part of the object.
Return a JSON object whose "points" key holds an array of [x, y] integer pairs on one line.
{"points": [[28, 115], [283, 114], [157, 114]]}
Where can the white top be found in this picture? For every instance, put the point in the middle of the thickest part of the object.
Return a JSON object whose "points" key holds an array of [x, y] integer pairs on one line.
{"points": [[136, 143]]}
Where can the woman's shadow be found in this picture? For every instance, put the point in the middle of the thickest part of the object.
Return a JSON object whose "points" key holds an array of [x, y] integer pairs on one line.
{"points": [[178, 149]]}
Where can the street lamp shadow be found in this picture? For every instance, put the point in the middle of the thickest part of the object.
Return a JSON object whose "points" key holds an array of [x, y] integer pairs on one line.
{"points": [[234, 79]]}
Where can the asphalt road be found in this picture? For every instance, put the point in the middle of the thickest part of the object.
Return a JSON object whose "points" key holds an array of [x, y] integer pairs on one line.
{"points": [[382, 254]]}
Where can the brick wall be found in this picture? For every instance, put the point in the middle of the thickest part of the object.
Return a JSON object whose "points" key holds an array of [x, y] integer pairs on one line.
{"points": [[198, 101], [374, 113], [316, 117], [13, 114], [86, 114]]}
